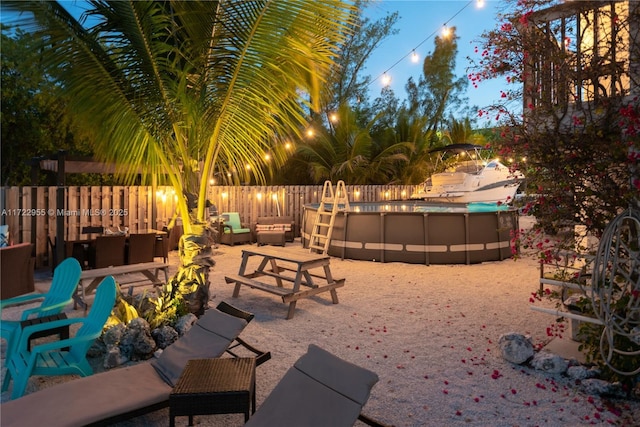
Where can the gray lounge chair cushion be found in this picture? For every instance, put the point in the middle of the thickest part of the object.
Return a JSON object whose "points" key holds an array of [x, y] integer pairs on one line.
{"points": [[89, 399], [319, 390], [207, 338]]}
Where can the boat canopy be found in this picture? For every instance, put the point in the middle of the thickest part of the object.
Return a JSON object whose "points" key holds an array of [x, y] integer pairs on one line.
{"points": [[458, 148]]}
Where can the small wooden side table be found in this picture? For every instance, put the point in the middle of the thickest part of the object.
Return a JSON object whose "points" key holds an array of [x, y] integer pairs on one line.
{"points": [[214, 386]]}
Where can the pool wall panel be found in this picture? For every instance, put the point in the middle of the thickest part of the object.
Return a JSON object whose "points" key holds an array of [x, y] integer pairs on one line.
{"points": [[450, 237]]}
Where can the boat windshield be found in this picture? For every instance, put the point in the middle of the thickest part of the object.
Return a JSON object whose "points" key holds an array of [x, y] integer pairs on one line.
{"points": [[467, 166]]}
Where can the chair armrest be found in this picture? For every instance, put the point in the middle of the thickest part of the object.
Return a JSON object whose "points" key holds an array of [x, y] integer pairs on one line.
{"points": [[31, 329], [261, 356], [21, 299], [36, 310], [69, 342]]}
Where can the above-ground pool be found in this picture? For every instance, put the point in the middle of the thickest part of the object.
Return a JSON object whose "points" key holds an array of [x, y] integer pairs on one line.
{"points": [[418, 232]]}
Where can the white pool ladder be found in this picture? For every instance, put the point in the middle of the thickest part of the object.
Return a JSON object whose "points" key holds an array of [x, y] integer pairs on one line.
{"points": [[325, 219]]}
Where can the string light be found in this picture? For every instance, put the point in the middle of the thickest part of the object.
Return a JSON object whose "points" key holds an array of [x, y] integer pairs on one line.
{"points": [[415, 57], [385, 78], [446, 31]]}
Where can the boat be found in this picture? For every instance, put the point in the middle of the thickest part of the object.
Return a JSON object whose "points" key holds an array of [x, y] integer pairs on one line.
{"points": [[470, 176]]}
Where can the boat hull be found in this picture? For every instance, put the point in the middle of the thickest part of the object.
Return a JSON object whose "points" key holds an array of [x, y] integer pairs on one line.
{"points": [[499, 192]]}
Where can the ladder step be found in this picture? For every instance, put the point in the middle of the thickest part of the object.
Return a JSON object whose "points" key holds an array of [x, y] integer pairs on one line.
{"points": [[323, 224]]}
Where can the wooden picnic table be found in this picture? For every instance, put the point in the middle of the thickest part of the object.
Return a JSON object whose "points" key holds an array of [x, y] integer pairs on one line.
{"points": [[280, 266], [149, 269]]}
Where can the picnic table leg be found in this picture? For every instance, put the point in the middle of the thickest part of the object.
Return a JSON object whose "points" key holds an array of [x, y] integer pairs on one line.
{"points": [[334, 296], [275, 269], [243, 268], [236, 290], [296, 289], [79, 297], [334, 293], [292, 309]]}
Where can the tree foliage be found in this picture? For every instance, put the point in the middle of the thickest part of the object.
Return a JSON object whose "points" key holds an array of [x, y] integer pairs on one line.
{"points": [[188, 89], [35, 119], [578, 125], [438, 90]]}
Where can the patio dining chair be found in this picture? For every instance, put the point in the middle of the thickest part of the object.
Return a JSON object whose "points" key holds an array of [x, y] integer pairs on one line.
{"points": [[64, 357], [140, 247], [65, 281], [107, 251]]}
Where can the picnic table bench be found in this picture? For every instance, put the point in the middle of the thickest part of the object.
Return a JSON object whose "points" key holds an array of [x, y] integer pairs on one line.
{"points": [[283, 261], [148, 269]]}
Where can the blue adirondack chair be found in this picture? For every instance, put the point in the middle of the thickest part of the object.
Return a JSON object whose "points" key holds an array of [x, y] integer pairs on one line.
{"points": [[51, 358], [65, 281]]}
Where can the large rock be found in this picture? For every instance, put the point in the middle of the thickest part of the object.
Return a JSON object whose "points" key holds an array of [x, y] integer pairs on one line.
{"points": [[114, 358], [516, 348], [580, 372], [599, 387], [549, 362], [185, 323], [136, 342], [164, 336]]}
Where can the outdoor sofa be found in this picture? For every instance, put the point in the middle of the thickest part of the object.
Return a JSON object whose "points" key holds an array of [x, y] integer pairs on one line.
{"points": [[273, 230]]}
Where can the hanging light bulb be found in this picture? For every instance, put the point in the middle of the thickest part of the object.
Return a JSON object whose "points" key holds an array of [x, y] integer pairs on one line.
{"points": [[479, 4], [386, 79], [415, 57], [445, 31]]}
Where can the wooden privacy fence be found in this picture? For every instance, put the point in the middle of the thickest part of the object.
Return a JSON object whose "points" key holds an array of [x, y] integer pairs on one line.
{"points": [[32, 213]]}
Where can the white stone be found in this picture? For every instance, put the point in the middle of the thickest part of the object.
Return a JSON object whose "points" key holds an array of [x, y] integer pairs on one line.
{"points": [[515, 348], [549, 362]]}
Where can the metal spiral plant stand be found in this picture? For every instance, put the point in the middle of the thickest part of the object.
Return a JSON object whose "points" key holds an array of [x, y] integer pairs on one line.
{"points": [[615, 290]]}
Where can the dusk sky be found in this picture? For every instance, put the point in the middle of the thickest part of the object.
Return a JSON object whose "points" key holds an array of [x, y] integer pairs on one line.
{"points": [[419, 23]]}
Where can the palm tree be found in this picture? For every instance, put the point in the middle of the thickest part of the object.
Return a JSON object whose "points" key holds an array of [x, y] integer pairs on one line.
{"points": [[185, 89], [341, 149]]}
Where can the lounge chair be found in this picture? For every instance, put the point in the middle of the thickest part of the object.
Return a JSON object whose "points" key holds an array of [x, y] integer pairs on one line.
{"points": [[123, 393], [233, 231], [65, 281], [63, 357], [319, 390]]}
